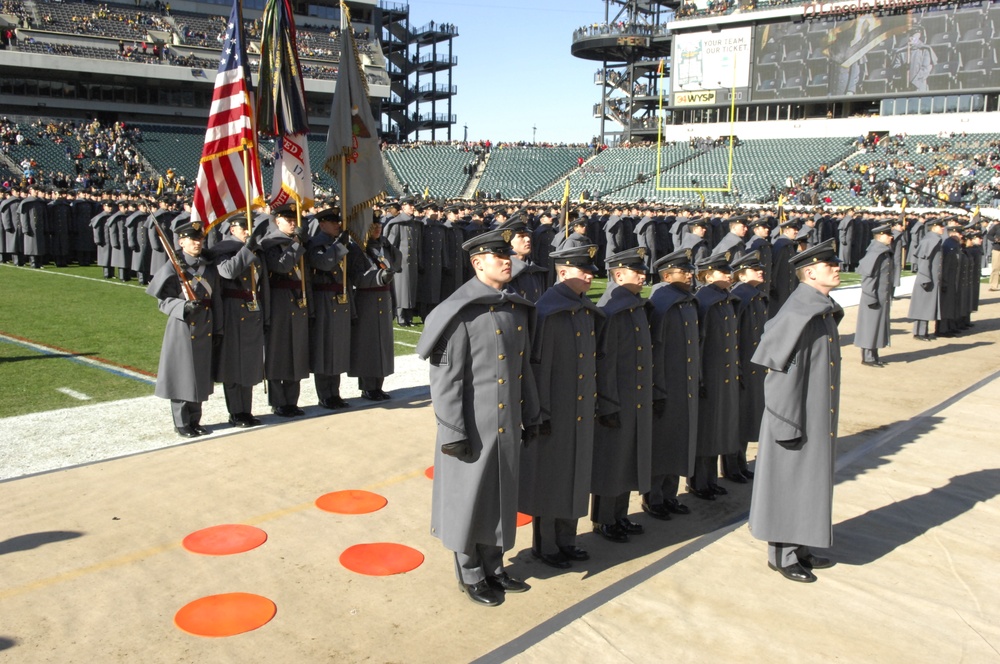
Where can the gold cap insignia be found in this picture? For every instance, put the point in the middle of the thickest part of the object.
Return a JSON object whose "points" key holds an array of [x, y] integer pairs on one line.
{"points": [[196, 225], [592, 251], [729, 255], [688, 254], [641, 251], [507, 235]]}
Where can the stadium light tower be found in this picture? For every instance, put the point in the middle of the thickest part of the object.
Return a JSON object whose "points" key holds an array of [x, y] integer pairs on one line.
{"points": [[629, 44]]}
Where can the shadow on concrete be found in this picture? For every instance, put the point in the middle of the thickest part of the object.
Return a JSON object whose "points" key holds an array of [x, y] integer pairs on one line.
{"points": [[7, 643], [878, 455], [939, 347], [35, 540], [870, 536]]}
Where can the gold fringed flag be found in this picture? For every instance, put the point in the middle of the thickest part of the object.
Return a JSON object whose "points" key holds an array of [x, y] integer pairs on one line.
{"points": [[230, 151], [353, 157]]}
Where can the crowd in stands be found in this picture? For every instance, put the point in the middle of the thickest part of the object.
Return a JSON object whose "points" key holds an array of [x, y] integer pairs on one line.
{"points": [[618, 28], [97, 155], [131, 27], [889, 175]]}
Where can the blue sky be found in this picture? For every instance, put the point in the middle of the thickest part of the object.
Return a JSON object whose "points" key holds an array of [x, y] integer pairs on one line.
{"points": [[515, 70]]}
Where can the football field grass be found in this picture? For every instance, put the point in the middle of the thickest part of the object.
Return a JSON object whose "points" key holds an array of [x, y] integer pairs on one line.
{"points": [[69, 337]]}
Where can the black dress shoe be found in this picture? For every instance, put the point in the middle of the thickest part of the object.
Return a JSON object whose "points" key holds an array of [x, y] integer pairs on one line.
{"points": [[737, 477], [631, 527], [718, 490], [794, 572], [675, 507], [186, 432], [283, 411], [481, 593], [922, 337], [557, 560], [508, 584], [574, 553], [371, 396], [251, 421], [704, 495], [200, 430], [747, 473], [812, 561], [383, 395], [333, 403], [614, 532], [877, 365], [656, 511]]}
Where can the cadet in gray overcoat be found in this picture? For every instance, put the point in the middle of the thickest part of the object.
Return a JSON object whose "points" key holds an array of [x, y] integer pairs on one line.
{"points": [[527, 279], [925, 302], [185, 371], [751, 314], [783, 280], [478, 342], [761, 243], [102, 239], [792, 502], [286, 353], [33, 228], [329, 251], [876, 270], [556, 466], [718, 410], [10, 228], [403, 232], [435, 261], [121, 258], [676, 370], [622, 442], [239, 362], [372, 357]]}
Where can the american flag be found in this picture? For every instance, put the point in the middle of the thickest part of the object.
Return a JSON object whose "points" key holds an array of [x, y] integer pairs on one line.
{"points": [[221, 187]]}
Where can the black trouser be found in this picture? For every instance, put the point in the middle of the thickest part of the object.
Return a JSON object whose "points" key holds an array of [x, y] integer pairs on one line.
{"points": [[369, 384], [283, 393], [609, 510], [327, 386], [239, 398], [550, 534]]}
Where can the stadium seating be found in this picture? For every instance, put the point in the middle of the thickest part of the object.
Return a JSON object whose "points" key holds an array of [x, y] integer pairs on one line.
{"points": [[434, 168], [518, 172]]}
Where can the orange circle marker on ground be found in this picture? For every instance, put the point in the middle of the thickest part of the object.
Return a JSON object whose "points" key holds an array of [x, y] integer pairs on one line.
{"points": [[523, 519], [224, 540], [352, 501], [225, 615], [381, 559], [429, 472]]}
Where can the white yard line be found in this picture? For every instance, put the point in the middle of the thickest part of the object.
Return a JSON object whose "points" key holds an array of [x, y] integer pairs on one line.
{"points": [[110, 282], [73, 393]]}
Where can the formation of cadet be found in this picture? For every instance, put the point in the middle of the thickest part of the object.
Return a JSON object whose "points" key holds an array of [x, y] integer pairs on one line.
{"points": [[629, 390], [273, 299]]}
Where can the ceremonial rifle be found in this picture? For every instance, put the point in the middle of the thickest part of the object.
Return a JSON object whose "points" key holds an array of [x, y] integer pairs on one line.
{"points": [[169, 250]]}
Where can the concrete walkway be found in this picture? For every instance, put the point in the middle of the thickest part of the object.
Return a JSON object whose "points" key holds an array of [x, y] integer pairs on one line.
{"points": [[93, 569]]}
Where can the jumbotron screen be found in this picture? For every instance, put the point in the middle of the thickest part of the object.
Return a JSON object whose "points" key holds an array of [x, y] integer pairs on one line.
{"points": [[873, 55]]}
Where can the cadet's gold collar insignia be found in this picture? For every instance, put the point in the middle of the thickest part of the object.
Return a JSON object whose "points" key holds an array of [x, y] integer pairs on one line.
{"points": [[507, 235], [592, 251]]}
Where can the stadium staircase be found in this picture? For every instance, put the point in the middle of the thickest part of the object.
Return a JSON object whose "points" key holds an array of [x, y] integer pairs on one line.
{"points": [[473, 186]]}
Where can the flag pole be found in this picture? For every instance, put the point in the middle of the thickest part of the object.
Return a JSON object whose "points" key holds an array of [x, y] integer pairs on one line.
{"points": [[342, 298], [303, 301], [254, 304]]}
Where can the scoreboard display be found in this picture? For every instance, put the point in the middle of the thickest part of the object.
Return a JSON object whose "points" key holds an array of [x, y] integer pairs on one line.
{"points": [[942, 49]]}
